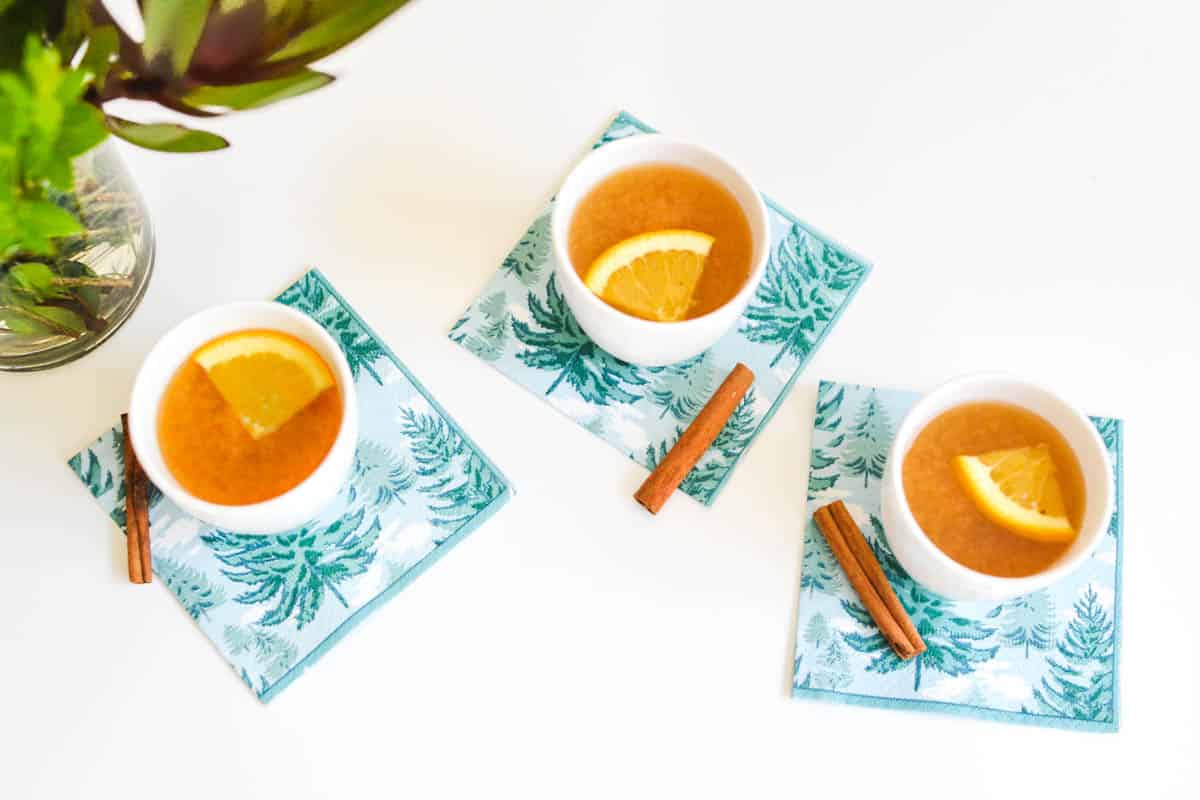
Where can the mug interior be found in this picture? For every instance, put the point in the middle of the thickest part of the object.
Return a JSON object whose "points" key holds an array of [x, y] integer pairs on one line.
{"points": [[645, 150], [174, 349], [1079, 433]]}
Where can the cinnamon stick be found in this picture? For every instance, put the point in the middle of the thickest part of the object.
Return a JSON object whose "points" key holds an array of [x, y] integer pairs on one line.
{"points": [[866, 559], [137, 513], [674, 467], [887, 624]]}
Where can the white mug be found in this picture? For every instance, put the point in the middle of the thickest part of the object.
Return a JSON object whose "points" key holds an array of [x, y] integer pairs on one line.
{"points": [[934, 569], [295, 506], [627, 337]]}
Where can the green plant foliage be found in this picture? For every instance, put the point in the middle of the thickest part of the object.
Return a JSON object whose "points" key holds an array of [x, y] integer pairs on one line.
{"points": [[165, 137], [173, 29]]}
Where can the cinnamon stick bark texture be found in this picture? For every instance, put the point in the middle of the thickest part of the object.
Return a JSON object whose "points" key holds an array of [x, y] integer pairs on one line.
{"points": [[137, 513], [866, 559], [891, 618], [671, 471]]}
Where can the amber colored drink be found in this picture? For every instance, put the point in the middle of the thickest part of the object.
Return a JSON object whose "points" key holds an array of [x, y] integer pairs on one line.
{"points": [[947, 514], [655, 197], [212, 455]]}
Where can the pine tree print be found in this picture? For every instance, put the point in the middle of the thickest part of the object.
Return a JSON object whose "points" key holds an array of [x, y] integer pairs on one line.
{"points": [[951, 641], [819, 570], [196, 594], [597, 425], [273, 653], [1081, 680], [529, 258], [490, 338], [828, 420], [833, 668], [88, 469], [865, 452], [682, 389], [556, 343], [622, 127], [798, 295], [1027, 621], [817, 632], [739, 431], [298, 568], [379, 476], [1110, 431], [312, 295], [456, 481]]}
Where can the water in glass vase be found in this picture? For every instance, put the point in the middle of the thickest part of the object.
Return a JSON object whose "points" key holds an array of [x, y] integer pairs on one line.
{"points": [[102, 273]]}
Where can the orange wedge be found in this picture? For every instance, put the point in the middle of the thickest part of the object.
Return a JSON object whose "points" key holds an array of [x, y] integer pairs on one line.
{"points": [[652, 275], [266, 376], [1017, 489]]}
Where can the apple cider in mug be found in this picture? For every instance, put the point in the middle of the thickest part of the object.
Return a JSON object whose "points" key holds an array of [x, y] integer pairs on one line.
{"points": [[248, 416], [996, 488], [662, 242]]}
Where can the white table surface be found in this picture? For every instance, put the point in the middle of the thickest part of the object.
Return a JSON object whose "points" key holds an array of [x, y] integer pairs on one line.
{"points": [[1023, 176]]}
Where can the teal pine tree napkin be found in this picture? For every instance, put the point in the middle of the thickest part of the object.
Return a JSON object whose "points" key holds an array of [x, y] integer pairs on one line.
{"points": [[521, 325], [272, 605], [1048, 658]]}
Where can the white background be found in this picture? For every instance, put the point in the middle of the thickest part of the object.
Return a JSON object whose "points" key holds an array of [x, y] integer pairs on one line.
{"points": [[1024, 177]]}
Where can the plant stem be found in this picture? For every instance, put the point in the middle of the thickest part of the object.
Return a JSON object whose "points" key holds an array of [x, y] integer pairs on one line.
{"points": [[101, 282]]}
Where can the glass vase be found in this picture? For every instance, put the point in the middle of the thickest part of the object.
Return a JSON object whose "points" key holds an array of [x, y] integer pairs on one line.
{"points": [[110, 264]]}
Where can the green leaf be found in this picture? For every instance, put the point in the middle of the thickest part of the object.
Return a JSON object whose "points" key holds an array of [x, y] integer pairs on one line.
{"points": [[75, 24], [41, 320], [255, 95], [35, 279], [17, 21], [173, 29], [165, 137], [83, 128], [350, 20], [40, 221], [14, 108], [102, 47]]}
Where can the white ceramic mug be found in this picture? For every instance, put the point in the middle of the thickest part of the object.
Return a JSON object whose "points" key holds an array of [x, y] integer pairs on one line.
{"points": [[630, 338], [290, 509], [934, 569]]}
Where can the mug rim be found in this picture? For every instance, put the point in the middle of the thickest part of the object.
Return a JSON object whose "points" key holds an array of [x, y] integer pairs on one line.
{"points": [[1009, 586], [149, 388], [574, 183]]}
